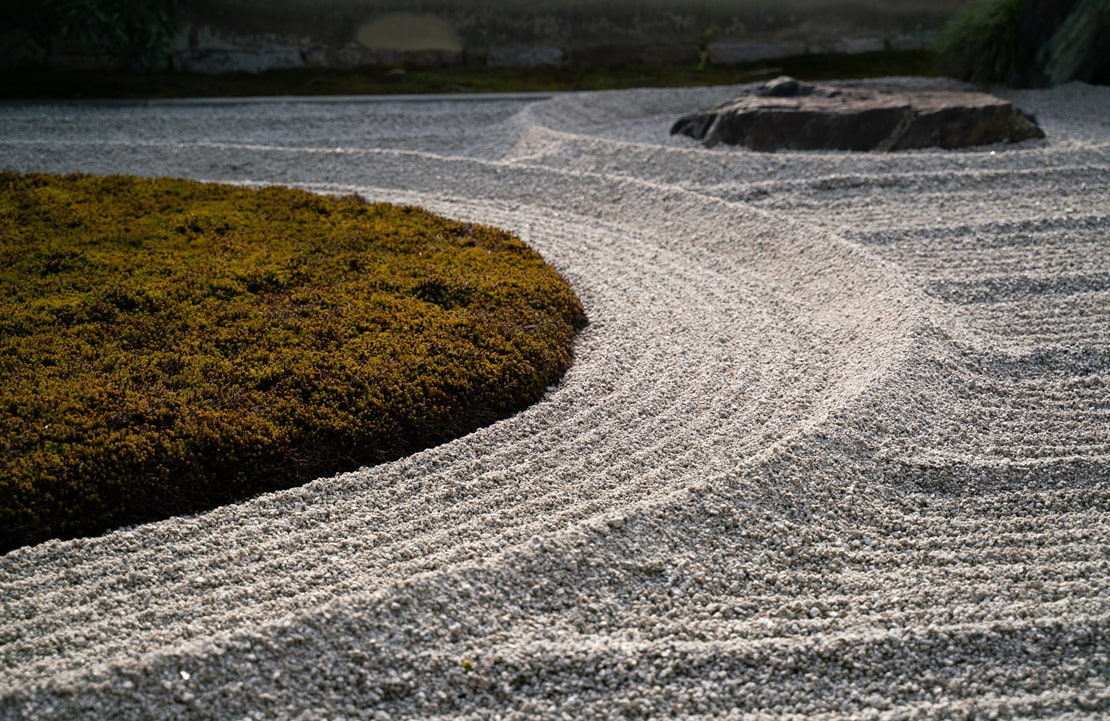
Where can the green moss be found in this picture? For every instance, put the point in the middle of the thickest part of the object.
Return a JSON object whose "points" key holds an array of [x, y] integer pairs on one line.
{"points": [[30, 83], [168, 346]]}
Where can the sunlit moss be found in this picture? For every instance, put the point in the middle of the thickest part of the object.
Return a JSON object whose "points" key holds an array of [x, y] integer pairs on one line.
{"points": [[167, 346]]}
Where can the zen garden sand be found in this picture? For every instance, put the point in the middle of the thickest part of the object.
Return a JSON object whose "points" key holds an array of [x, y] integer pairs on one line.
{"points": [[836, 443]]}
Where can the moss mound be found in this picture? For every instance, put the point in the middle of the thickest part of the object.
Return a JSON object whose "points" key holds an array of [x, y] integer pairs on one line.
{"points": [[168, 346]]}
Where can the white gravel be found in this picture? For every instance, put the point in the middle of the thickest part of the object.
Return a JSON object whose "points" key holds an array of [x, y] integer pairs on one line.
{"points": [[836, 444]]}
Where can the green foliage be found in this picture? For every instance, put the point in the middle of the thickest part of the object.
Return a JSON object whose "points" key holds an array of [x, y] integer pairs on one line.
{"points": [[983, 44], [168, 346], [133, 33]]}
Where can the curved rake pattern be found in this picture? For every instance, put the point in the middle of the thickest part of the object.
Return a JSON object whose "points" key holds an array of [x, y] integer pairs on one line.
{"points": [[836, 443]]}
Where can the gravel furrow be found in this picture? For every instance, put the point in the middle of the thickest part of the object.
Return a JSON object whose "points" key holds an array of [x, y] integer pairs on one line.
{"points": [[836, 443]]}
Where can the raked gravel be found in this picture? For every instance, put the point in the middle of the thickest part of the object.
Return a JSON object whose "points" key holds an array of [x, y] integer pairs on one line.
{"points": [[836, 443]]}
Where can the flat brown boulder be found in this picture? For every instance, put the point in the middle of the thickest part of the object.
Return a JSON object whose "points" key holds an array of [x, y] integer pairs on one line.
{"points": [[789, 115]]}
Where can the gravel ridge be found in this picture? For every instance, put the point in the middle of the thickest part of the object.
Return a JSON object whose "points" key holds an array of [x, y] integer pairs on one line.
{"points": [[836, 443]]}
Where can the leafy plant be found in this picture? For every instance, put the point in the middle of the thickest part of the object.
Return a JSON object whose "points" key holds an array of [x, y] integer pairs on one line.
{"points": [[983, 44], [134, 33]]}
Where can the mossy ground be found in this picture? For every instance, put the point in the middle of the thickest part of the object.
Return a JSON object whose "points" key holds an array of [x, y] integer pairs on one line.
{"points": [[27, 83], [168, 346]]}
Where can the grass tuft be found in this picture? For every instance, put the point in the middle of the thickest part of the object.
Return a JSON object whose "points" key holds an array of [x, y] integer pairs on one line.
{"points": [[982, 45]]}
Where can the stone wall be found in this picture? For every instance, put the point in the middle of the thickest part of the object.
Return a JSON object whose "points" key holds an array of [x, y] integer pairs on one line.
{"points": [[223, 35]]}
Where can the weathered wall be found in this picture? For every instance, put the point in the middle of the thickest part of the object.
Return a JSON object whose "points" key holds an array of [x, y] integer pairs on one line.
{"points": [[258, 34]]}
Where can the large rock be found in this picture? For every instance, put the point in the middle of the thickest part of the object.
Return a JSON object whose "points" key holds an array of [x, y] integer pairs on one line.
{"points": [[786, 114]]}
